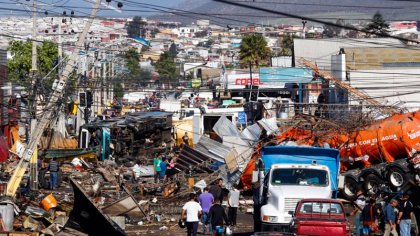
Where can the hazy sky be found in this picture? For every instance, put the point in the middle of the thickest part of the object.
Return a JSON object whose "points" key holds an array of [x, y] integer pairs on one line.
{"points": [[81, 7]]}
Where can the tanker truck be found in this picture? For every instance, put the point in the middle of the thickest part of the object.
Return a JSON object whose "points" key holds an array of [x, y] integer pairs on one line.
{"points": [[386, 153]]}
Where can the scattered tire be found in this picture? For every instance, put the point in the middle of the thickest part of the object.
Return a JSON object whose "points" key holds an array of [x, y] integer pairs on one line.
{"points": [[372, 184], [350, 188], [397, 178]]}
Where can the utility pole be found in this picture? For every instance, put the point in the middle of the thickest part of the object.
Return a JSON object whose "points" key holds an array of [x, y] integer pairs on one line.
{"points": [[34, 69], [60, 43], [34, 43], [250, 79], [46, 118]]}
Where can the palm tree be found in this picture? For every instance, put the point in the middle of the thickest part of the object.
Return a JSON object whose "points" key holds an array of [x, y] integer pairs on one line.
{"points": [[254, 50]]}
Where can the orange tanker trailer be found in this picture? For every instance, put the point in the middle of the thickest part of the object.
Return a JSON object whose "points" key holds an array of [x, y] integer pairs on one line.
{"points": [[382, 153]]}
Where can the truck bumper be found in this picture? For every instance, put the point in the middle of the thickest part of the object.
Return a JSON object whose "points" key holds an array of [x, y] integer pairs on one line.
{"points": [[268, 227]]}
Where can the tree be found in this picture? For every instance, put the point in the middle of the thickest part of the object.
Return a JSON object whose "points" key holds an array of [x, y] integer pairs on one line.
{"points": [[20, 65], [254, 50], [331, 31], [287, 45], [173, 51], [118, 90], [378, 26], [135, 28], [166, 67], [132, 62]]}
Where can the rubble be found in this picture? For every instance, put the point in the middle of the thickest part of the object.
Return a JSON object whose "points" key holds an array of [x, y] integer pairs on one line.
{"points": [[107, 193]]}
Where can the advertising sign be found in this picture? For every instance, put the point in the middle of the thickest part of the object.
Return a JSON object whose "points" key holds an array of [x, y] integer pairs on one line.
{"points": [[239, 81], [276, 77]]}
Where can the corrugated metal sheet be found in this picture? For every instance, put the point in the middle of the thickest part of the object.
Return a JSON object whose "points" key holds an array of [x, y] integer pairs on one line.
{"points": [[194, 159], [242, 148], [225, 127], [252, 133], [270, 125], [212, 149]]}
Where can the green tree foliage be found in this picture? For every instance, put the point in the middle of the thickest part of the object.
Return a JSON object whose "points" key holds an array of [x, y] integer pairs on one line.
{"points": [[20, 65], [254, 50], [173, 51], [166, 67], [287, 45], [378, 25], [331, 31], [118, 90], [136, 27], [132, 62]]}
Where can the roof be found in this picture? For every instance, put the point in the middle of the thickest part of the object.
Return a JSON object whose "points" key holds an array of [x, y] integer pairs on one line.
{"points": [[320, 200]]}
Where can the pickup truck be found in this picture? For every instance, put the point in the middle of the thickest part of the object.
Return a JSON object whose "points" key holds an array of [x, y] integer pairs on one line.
{"points": [[319, 217]]}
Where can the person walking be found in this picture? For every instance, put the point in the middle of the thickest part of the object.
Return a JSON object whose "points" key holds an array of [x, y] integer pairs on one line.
{"points": [[233, 203], [216, 190], [390, 225], [191, 212], [404, 216], [360, 203], [206, 199], [369, 217], [163, 167], [216, 217], [157, 169], [53, 167]]}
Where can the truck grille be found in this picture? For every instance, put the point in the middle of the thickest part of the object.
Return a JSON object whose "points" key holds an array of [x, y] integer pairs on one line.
{"points": [[290, 205]]}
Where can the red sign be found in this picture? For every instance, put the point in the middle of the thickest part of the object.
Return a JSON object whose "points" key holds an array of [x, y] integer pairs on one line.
{"points": [[248, 81]]}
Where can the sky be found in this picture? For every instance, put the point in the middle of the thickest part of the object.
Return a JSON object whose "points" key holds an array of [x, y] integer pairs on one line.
{"points": [[82, 7]]}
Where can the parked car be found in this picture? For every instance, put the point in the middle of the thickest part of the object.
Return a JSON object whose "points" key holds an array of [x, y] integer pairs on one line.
{"points": [[320, 217]]}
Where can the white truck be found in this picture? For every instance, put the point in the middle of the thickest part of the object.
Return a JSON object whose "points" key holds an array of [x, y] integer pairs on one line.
{"points": [[290, 174]]}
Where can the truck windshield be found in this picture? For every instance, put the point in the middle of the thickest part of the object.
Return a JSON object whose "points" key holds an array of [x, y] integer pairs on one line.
{"points": [[299, 176]]}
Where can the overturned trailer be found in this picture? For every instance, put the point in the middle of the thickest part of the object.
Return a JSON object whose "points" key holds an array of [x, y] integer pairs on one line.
{"points": [[129, 136]]}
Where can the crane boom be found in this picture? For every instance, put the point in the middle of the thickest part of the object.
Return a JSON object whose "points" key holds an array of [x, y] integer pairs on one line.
{"points": [[385, 110], [45, 119]]}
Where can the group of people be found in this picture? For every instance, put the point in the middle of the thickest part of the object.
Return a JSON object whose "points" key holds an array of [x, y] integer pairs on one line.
{"points": [[163, 167], [395, 214], [208, 208]]}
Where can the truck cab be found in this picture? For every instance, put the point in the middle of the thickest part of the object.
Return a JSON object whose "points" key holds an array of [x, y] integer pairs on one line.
{"points": [[290, 175], [320, 217]]}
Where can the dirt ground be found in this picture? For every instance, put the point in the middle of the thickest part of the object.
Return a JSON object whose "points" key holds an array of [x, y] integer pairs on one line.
{"points": [[244, 227]]}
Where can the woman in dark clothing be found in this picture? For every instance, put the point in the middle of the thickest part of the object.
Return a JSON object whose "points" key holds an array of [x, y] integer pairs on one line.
{"points": [[369, 217]]}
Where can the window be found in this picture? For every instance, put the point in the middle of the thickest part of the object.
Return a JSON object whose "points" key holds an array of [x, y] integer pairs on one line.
{"points": [[321, 208], [299, 176]]}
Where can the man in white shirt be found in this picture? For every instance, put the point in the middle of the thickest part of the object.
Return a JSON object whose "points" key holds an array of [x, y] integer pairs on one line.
{"points": [[192, 210], [233, 202]]}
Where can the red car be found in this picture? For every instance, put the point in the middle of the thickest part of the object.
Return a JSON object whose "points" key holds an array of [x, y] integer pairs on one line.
{"points": [[320, 217]]}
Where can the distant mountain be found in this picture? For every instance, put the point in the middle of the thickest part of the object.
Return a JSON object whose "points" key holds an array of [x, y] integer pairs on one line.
{"points": [[331, 10]]}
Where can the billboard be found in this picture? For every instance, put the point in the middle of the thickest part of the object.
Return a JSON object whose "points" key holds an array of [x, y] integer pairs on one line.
{"points": [[276, 77], [239, 81]]}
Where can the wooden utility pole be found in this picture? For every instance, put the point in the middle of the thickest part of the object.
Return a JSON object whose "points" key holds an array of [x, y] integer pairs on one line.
{"points": [[34, 43], [34, 69], [57, 93]]}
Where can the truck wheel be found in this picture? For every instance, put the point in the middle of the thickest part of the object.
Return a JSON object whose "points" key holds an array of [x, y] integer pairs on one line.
{"points": [[350, 188], [397, 178], [372, 184]]}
